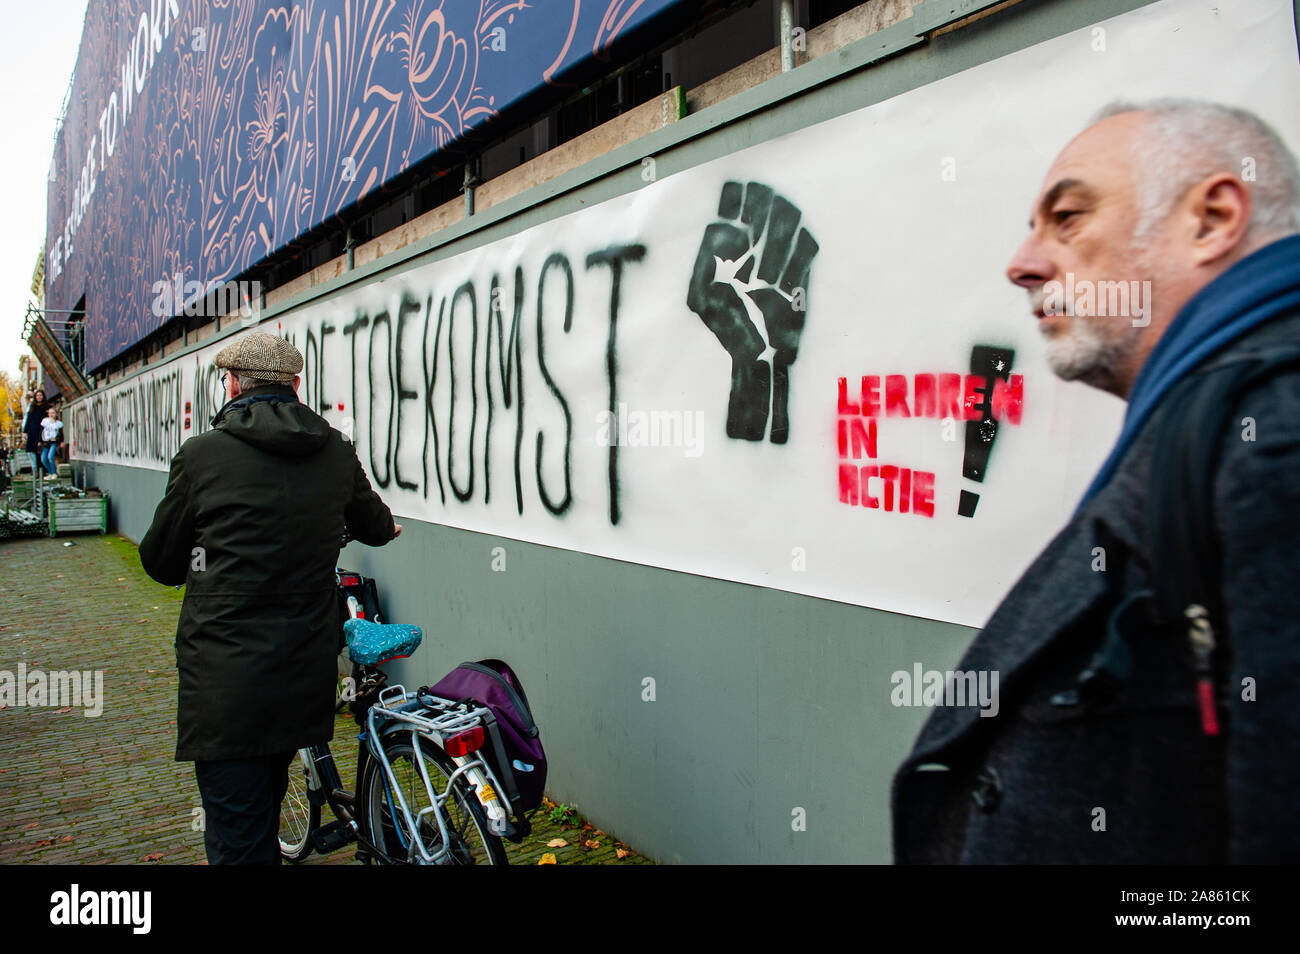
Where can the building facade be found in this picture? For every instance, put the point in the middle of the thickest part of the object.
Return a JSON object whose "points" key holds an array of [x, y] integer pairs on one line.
{"points": [[676, 335]]}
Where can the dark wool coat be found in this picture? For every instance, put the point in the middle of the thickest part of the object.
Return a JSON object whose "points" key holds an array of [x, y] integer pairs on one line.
{"points": [[1025, 786], [252, 523], [32, 426]]}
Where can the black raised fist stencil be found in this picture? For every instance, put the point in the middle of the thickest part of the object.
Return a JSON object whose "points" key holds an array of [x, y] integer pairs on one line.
{"points": [[757, 315]]}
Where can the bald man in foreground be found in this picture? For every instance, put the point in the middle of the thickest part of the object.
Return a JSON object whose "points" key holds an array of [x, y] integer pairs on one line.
{"points": [[1149, 659]]}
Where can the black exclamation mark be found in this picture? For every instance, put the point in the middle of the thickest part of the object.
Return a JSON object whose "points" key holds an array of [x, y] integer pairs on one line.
{"points": [[988, 362]]}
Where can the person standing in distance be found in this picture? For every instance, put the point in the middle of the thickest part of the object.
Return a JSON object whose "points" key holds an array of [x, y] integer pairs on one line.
{"points": [[252, 523], [36, 411]]}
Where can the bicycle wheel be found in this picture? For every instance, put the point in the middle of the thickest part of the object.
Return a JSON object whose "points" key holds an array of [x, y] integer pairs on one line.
{"points": [[470, 840], [298, 816]]}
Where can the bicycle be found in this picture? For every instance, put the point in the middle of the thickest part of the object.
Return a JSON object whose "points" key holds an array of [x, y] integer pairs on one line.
{"points": [[422, 793]]}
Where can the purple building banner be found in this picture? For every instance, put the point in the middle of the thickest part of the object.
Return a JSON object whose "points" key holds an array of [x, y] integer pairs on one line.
{"points": [[202, 137]]}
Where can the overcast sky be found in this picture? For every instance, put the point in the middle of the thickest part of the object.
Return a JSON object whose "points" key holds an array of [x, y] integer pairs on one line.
{"points": [[39, 46]]}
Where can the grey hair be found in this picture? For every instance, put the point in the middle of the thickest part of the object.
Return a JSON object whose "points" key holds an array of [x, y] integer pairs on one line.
{"points": [[247, 381], [1184, 141]]}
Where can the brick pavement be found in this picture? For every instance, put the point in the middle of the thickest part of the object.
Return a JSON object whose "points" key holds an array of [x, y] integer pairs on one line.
{"points": [[76, 789]]}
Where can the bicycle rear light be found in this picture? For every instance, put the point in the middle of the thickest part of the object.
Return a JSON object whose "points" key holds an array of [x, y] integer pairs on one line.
{"points": [[463, 743], [347, 580]]}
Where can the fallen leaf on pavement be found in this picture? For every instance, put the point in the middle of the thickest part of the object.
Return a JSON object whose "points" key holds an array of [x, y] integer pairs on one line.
{"points": [[29, 826], [621, 853], [66, 838], [547, 859], [590, 843], [556, 843], [64, 709], [45, 843], [153, 856]]}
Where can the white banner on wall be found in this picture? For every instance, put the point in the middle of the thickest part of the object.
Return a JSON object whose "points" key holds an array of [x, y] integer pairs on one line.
{"points": [[781, 367]]}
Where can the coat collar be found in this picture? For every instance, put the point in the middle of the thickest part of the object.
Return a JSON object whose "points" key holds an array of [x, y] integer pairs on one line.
{"points": [[265, 392]]}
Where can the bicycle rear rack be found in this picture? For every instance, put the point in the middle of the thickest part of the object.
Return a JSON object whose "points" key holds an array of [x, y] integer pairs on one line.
{"points": [[436, 719]]}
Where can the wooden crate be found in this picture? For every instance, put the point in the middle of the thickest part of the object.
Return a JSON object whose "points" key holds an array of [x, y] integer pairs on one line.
{"points": [[78, 513]]}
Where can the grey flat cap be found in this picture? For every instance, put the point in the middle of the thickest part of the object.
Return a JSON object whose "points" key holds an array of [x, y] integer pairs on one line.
{"points": [[260, 355]]}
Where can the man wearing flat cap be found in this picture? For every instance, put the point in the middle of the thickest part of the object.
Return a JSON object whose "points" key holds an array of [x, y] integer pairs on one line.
{"points": [[251, 523]]}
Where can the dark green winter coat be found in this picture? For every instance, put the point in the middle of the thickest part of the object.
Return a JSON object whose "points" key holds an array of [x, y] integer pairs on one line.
{"points": [[252, 523]]}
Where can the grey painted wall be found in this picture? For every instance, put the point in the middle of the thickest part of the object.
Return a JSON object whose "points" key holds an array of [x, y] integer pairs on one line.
{"points": [[765, 701]]}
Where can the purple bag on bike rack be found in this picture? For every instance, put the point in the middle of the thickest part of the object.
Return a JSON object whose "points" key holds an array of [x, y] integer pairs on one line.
{"points": [[515, 746]]}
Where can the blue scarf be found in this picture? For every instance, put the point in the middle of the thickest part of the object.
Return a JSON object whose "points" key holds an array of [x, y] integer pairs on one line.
{"points": [[1261, 286]]}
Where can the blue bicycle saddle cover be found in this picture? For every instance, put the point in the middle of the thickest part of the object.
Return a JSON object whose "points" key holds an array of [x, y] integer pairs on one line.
{"points": [[372, 643]]}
